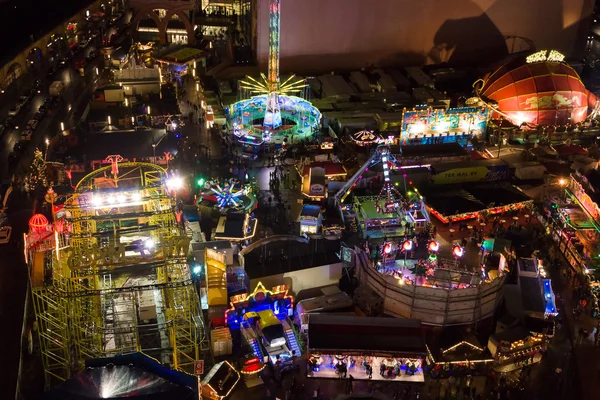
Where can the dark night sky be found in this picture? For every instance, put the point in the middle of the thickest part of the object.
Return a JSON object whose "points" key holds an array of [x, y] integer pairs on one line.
{"points": [[21, 18]]}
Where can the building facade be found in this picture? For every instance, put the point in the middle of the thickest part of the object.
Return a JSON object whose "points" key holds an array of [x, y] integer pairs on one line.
{"points": [[36, 56], [323, 35]]}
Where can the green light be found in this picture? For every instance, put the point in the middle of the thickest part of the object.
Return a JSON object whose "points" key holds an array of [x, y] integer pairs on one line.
{"points": [[432, 257], [200, 182], [396, 184]]}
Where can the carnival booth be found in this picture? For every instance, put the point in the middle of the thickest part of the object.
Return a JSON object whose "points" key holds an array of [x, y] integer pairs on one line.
{"points": [[263, 319], [310, 219], [429, 125], [456, 352], [220, 381], [515, 347], [366, 348], [472, 201]]}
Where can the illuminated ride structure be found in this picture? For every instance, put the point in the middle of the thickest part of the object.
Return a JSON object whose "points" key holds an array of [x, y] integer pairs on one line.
{"points": [[389, 214], [230, 194], [263, 319], [236, 202], [112, 277], [540, 90], [273, 114]]}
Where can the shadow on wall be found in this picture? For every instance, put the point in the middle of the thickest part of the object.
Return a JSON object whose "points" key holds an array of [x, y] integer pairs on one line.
{"points": [[473, 32], [457, 41], [328, 62]]}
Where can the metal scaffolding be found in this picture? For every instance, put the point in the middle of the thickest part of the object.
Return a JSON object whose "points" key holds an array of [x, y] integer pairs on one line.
{"points": [[116, 279]]}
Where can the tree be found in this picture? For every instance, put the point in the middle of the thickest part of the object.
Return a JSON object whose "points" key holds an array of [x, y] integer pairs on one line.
{"points": [[37, 174]]}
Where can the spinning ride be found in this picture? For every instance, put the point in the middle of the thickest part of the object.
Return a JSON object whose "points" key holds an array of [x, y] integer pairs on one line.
{"points": [[229, 195], [273, 114]]}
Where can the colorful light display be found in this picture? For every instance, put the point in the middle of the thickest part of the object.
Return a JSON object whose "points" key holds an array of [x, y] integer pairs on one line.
{"points": [[457, 251], [433, 246], [230, 194], [470, 120], [279, 114]]}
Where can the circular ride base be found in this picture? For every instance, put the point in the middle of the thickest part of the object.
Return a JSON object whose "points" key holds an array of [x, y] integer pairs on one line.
{"points": [[300, 118]]}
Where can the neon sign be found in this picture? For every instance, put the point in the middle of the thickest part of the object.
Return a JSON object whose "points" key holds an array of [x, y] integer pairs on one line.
{"points": [[545, 55]]}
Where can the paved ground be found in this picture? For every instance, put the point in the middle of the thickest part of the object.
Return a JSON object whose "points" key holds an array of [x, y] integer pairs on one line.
{"points": [[13, 274]]}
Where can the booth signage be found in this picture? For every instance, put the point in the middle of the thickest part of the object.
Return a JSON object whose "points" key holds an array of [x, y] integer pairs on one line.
{"points": [[457, 175], [317, 188], [198, 367]]}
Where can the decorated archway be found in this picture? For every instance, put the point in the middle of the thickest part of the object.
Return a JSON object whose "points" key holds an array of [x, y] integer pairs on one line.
{"points": [[171, 16], [143, 27]]}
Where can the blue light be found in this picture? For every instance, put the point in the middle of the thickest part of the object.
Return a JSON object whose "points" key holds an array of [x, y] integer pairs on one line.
{"points": [[197, 269]]}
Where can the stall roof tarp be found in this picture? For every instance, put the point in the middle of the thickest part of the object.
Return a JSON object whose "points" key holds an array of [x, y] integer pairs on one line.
{"points": [[472, 198], [110, 378], [350, 333]]}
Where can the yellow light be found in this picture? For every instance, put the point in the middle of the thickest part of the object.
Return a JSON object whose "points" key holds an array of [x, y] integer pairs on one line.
{"points": [[62, 126], [109, 120], [545, 55], [126, 102]]}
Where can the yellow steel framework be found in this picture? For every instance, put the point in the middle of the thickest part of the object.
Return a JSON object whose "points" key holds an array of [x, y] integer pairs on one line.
{"points": [[119, 281]]}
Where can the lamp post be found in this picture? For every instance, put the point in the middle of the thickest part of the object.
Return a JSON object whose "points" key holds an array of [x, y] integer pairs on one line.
{"points": [[47, 141], [154, 153], [562, 183]]}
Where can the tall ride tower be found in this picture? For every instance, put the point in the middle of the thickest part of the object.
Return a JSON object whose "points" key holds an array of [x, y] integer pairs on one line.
{"points": [[270, 85], [273, 114]]}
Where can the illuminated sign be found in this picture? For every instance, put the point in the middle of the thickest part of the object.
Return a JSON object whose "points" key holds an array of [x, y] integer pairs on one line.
{"points": [[584, 199], [456, 175], [545, 55], [317, 188], [470, 120]]}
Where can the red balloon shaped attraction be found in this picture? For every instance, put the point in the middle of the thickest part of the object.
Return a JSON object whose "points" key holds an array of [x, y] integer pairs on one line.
{"points": [[537, 93]]}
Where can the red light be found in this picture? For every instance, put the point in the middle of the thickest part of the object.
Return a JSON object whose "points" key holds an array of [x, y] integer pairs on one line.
{"points": [[458, 251], [407, 245], [252, 361], [433, 246], [387, 249]]}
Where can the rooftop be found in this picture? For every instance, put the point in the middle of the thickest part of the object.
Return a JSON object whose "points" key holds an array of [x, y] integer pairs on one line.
{"points": [[183, 55], [347, 333], [532, 295]]}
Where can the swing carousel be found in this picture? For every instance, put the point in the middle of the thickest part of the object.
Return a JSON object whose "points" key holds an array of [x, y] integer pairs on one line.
{"points": [[299, 119], [229, 195], [273, 114]]}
